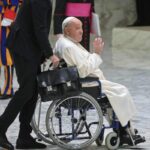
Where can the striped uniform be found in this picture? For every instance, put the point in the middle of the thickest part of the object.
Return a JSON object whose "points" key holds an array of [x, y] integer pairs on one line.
{"points": [[5, 57]]}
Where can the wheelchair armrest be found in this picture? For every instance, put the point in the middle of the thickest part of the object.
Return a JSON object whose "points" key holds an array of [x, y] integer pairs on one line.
{"points": [[88, 79]]}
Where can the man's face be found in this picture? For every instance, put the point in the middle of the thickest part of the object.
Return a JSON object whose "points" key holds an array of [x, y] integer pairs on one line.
{"points": [[74, 30]]}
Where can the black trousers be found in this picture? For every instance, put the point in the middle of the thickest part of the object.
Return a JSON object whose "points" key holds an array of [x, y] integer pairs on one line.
{"points": [[24, 100]]}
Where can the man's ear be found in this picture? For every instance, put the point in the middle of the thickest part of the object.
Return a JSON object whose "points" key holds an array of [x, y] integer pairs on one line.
{"points": [[66, 31]]}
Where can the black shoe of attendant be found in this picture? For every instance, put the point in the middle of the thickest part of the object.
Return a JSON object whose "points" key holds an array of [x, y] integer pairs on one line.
{"points": [[29, 143], [4, 143], [125, 139], [5, 97]]}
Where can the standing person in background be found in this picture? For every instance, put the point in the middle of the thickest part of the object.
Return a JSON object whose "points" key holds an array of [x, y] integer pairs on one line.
{"points": [[29, 46], [7, 15], [1, 4], [81, 9]]}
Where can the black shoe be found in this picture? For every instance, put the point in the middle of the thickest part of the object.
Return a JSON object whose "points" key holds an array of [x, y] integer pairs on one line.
{"points": [[30, 143], [138, 139], [126, 139], [4, 143], [3, 97]]}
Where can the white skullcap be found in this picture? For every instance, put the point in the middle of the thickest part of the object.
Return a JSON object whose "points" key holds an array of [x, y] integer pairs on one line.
{"points": [[66, 22]]}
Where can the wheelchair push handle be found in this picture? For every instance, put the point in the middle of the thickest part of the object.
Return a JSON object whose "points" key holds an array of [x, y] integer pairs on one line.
{"points": [[61, 64]]}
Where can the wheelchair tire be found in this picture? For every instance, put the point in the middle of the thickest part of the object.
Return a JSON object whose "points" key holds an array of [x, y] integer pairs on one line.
{"points": [[112, 141], [74, 122], [99, 140], [38, 126]]}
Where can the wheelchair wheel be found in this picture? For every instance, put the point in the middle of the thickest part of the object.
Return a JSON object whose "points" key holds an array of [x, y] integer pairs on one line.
{"points": [[74, 122], [112, 141], [100, 139], [38, 121]]}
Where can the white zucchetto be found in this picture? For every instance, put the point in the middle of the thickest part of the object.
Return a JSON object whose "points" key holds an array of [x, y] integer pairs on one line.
{"points": [[66, 22]]}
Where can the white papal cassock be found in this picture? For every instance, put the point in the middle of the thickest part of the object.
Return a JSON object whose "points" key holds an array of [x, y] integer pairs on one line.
{"points": [[88, 64]]}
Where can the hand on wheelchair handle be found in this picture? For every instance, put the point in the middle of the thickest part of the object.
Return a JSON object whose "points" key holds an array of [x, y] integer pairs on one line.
{"points": [[61, 64], [55, 61]]}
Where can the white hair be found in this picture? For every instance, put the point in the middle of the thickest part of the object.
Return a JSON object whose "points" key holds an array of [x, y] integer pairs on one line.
{"points": [[66, 22]]}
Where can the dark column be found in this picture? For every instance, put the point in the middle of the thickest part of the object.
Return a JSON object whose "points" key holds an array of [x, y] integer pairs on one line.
{"points": [[143, 12]]}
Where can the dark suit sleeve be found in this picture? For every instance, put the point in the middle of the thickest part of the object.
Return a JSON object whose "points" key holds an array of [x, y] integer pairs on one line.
{"points": [[59, 15], [41, 14]]}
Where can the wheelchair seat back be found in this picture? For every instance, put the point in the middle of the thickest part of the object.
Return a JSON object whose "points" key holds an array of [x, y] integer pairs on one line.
{"points": [[96, 92]]}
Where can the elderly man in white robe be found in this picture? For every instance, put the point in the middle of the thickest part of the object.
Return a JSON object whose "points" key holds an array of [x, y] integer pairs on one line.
{"points": [[69, 48]]}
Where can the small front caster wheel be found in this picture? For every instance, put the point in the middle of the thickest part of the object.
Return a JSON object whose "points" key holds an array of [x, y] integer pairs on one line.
{"points": [[112, 141]]}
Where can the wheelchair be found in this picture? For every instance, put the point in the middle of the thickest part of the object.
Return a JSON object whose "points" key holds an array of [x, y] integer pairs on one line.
{"points": [[73, 117]]}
